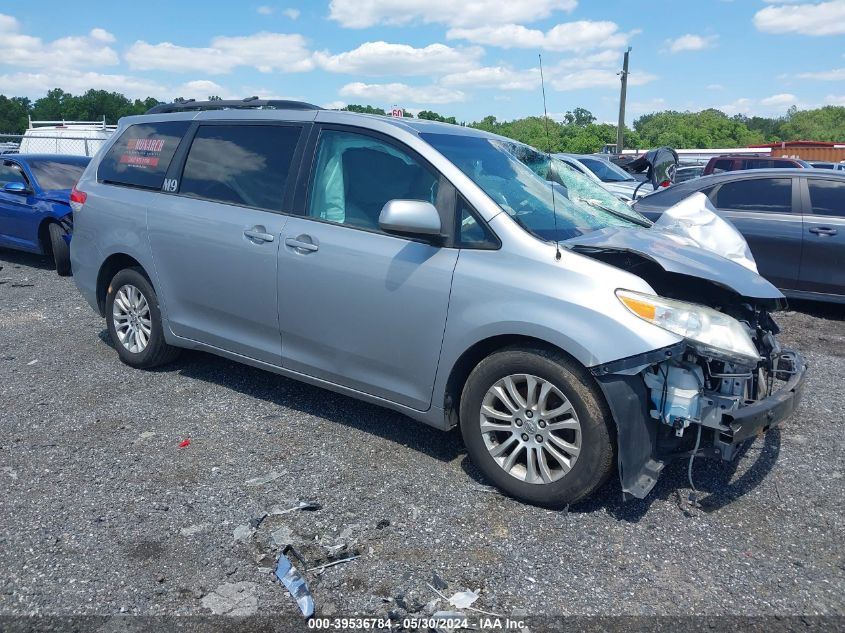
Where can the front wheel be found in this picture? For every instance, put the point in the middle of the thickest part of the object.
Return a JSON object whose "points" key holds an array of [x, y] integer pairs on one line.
{"points": [[134, 321], [60, 249], [536, 425]]}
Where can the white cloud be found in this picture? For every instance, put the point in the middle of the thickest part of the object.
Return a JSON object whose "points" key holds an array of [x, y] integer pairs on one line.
{"points": [[398, 93], [37, 84], [334, 105], [691, 42], [715, 87], [783, 99], [603, 59], [71, 52], [597, 78], [382, 58], [291, 13], [500, 77], [579, 35], [824, 18], [740, 106], [265, 51], [646, 107], [358, 14], [837, 74], [838, 100], [101, 35], [265, 10]]}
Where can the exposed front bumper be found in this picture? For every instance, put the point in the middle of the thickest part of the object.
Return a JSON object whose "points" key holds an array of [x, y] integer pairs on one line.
{"points": [[748, 421]]}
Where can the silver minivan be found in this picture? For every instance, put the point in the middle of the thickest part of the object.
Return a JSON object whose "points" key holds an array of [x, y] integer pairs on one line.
{"points": [[449, 274]]}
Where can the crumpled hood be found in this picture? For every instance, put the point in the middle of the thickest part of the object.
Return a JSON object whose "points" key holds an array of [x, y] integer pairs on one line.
{"points": [[676, 254]]}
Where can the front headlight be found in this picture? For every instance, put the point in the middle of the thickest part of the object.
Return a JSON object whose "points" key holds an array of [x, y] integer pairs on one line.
{"points": [[711, 332]]}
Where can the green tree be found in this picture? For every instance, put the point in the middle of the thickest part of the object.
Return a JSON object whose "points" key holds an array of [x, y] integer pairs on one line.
{"points": [[823, 124], [13, 114], [367, 109], [579, 117], [434, 116]]}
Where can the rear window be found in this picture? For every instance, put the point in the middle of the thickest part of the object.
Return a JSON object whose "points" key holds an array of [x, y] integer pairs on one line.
{"points": [[246, 165], [56, 174], [827, 196], [722, 165], [767, 195], [142, 154]]}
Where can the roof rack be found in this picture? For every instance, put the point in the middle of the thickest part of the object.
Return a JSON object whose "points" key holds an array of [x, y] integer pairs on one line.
{"points": [[63, 123], [225, 104]]}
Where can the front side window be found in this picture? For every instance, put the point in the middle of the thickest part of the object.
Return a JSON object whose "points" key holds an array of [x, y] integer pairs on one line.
{"points": [[10, 172], [827, 197], [767, 195], [247, 165], [142, 154], [356, 175]]}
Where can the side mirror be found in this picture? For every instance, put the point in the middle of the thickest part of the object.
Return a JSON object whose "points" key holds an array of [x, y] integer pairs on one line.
{"points": [[410, 218], [16, 187], [664, 163]]}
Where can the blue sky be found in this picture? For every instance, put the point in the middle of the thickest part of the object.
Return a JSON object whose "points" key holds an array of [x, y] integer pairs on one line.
{"points": [[467, 58]]}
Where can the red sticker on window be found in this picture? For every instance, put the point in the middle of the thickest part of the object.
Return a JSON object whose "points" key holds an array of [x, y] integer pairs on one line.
{"points": [[142, 152]]}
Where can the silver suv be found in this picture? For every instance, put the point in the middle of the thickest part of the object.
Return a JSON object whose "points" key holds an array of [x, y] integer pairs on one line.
{"points": [[449, 274]]}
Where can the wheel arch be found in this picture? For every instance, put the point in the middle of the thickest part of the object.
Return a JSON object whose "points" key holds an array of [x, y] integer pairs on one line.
{"points": [[109, 268], [469, 359]]}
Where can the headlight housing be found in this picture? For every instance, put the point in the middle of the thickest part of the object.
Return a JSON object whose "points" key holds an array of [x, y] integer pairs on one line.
{"points": [[711, 332]]}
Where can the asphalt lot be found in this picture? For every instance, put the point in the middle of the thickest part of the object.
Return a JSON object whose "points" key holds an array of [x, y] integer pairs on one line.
{"points": [[101, 512]]}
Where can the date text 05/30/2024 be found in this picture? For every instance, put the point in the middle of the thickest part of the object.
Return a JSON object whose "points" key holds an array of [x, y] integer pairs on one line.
{"points": [[455, 621]]}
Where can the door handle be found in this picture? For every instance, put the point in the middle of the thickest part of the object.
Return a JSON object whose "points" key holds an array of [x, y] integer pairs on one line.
{"points": [[299, 244], [259, 234], [823, 230]]}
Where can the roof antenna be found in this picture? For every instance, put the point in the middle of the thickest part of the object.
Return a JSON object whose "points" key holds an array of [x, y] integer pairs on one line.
{"points": [[549, 157]]}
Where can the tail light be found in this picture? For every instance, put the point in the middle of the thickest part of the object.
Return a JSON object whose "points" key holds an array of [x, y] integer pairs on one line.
{"points": [[77, 199]]}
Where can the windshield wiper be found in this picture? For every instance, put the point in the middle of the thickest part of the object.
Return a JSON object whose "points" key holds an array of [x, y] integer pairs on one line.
{"points": [[596, 203]]}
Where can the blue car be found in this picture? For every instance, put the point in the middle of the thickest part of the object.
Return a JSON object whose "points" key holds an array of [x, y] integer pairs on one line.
{"points": [[35, 212]]}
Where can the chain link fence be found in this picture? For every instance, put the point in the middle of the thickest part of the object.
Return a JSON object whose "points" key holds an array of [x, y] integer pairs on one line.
{"points": [[73, 144]]}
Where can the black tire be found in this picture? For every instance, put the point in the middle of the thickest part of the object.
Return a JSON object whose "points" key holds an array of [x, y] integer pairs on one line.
{"points": [[59, 248], [596, 459], [156, 352]]}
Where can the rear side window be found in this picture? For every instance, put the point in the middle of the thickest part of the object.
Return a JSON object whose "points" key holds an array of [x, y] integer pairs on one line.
{"points": [[142, 154], [247, 165], [827, 197], [768, 195], [760, 164], [722, 165]]}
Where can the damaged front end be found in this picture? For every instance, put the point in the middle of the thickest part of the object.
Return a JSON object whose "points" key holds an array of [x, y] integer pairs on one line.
{"points": [[684, 400], [725, 382]]}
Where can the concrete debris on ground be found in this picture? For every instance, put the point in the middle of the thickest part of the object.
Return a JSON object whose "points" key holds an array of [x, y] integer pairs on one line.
{"points": [[463, 599], [194, 529], [233, 599], [244, 532], [265, 479]]}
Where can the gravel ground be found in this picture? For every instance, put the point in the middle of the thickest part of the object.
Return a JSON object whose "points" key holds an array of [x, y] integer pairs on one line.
{"points": [[102, 512]]}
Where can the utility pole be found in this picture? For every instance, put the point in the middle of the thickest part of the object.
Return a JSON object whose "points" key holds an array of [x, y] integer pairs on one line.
{"points": [[620, 130]]}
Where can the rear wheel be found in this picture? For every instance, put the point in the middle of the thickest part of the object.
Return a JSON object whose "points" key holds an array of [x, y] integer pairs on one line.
{"points": [[134, 321], [537, 426], [59, 248]]}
